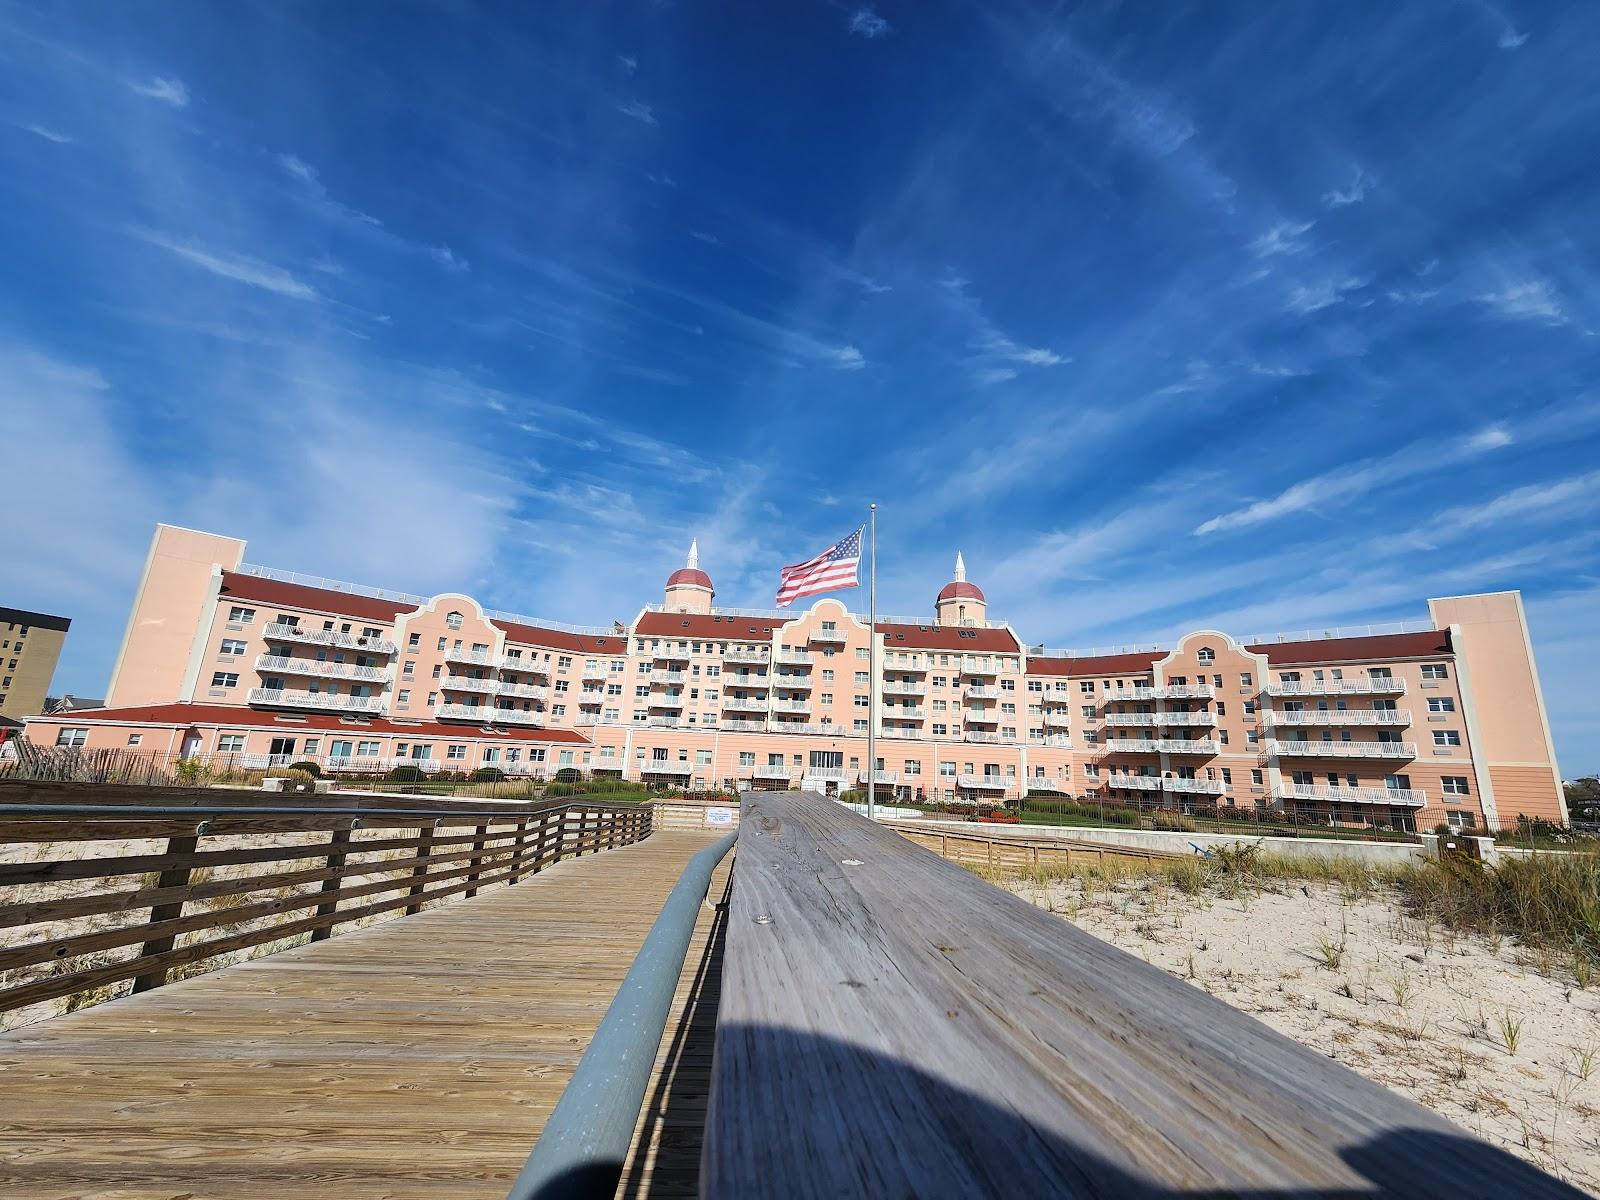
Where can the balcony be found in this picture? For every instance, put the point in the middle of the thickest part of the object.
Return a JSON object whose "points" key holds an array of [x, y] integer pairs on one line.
{"points": [[793, 683], [977, 666], [598, 671], [901, 687], [665, 723], [1187, 746], [1124, 718], [668, 654], [833, 774], [666, 700], [771, 771], [1349, 795], [327, 637], [1192, 720], [828, 637], [656, 767], [486, 714], [1059, 740], [985, 783], [744, 704], [978, 716], [744, 726], [904, 714], [1137, 783], [1311, 749], [1169, 691], [813, 728], [528, 691], [791, 706], [526, 665], [799, 658], [1318, 716], [1369, 686], [466, 683], [1131, 746], [322, 701], [884, 777], [1057, 720], [1202, 787], [478, 658], [978, 735], [757, 657], [279, 664], [976, 691], [665, 676]]}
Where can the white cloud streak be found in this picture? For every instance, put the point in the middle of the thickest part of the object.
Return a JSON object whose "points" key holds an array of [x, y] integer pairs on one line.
{"points": [[167, 90], [237, 268]]}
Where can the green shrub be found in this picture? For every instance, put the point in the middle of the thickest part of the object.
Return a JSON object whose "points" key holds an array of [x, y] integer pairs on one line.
{"points": [[404, 773], [569, 775], [488, 775], [310, 768]]}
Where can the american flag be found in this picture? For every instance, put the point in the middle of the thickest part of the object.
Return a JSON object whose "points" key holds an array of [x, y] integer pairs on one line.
{"points": [[833, 569]]}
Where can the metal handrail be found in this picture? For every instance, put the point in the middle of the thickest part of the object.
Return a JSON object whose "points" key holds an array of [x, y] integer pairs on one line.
{"points": [[585, 1142]]}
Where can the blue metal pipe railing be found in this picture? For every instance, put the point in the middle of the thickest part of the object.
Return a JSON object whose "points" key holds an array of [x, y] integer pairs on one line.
{"points": [[585, 1142]]}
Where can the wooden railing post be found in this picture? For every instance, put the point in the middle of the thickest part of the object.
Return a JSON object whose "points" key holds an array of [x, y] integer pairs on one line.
{"points": [[476, 862], [338, 843], [424, 851], [171, 877], [561, 834], [517, 847]]}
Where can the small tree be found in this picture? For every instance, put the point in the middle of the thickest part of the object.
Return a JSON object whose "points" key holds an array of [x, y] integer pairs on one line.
{"points": [[309, 767], [405, 773]]}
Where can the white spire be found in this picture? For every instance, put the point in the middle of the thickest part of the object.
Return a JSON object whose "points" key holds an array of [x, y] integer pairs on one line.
{"points": [[694, 554], [961, 569]]}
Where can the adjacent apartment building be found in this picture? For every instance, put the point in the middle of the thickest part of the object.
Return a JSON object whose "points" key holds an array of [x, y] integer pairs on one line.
{"points": [[30, 645], [1399, 729]]}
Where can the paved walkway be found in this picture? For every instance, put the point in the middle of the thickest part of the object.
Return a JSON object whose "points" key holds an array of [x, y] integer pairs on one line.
{"points": [[417, 1058]]}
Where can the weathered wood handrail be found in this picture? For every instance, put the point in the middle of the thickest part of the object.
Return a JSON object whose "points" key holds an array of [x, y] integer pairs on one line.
{"points": [[891, 1025], [99, 908], [976, 847]]}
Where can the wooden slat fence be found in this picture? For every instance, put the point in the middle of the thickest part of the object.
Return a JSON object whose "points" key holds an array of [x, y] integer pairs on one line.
{"points": [[1005, 852], [101, 883]]}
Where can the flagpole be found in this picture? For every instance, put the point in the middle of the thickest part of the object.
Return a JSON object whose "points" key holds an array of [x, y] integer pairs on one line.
{"points": [[872, 678]]}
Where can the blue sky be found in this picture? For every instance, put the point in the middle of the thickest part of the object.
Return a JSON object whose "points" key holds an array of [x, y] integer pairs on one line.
{"points": [[1253, 316]]}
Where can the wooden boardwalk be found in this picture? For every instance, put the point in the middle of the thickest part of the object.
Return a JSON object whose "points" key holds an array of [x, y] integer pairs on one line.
{"points": [[417, 1058]]}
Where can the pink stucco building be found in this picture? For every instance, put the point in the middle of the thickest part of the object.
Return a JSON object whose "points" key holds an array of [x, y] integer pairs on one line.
{"points": [[1404, 729]]}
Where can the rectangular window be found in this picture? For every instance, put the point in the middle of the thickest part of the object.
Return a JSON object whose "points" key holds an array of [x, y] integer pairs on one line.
{"points": [[230, 743], [135, 738], [455, 750], [1446, 737], [241, 616], [1455, 785], [1441, 704], [1435, 671], [224, 679], [232, 646], [367, 749], [73, 738]]}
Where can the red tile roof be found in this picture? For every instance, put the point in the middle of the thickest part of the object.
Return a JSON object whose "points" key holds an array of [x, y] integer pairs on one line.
{"points": [[249, 718], [1433, 643], [689, 577], [708, 625], [556, 639], [960, 589], [295, 595], [1103, 664], [951, 637]]}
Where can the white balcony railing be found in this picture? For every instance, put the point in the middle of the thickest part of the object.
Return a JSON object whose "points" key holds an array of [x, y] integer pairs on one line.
{"points": [[978, 716], [1187, 746], [978, 666], [526, 665], [1138, 783], [1190, 720], [829, 637], [465, 654], [280, 664], [791, 706], [1318, 716], [1131, 746], [813, 728], [327, 637], [794, 657], [487, 714], [1169, 691], [466, 683], [665, 676], [745, 656], [665, 723], [979, 736], [744, 704], [1125, 718], [1316, 749], [976, 691], [326, 701], [1057, 719], [889, 777], [1203, 787], [528, 691], [744, 726], [666, 700], [668, 654], [771, 772], [834, 774], [904, 714], [657, 767], [1352, 795], [1060, 740], [902, 687], [793, 683], [986, 783], [598, 671], [1370, 686]]}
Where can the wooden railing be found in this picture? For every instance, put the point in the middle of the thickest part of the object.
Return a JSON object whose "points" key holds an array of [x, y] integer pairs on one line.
{"points": [[101, 884], [891, 1025], [978, 848]]}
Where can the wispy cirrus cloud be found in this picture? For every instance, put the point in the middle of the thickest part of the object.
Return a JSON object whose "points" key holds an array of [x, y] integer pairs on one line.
{"points": [[49, 135], [168, 90], [1314, 297], [865, 22], [1282, 238], [1355, 193], [638, 111], [239, 268], [1530, 299]]}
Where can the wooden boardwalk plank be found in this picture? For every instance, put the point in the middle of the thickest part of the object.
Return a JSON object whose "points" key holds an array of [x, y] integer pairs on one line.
{"points": [[418, 1058], [891, 1025]]}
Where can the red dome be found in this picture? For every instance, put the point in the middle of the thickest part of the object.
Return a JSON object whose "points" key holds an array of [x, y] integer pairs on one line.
{"points": [[689, 577], [961, 590]]}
